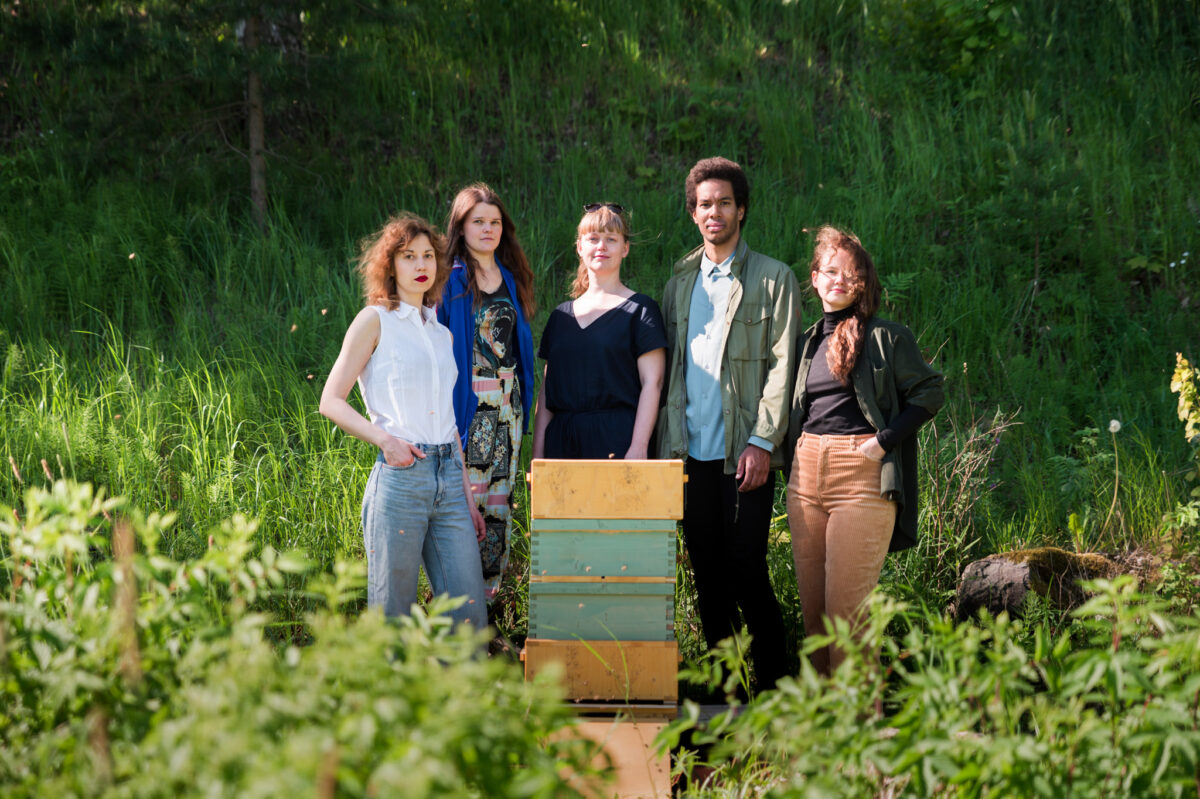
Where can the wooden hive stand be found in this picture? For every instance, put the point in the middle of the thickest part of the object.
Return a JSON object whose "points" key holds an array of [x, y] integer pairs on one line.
{"points": [[602, 603]]}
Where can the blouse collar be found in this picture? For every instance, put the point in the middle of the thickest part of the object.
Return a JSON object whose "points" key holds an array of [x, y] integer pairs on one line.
{"points": [[404, 311]]}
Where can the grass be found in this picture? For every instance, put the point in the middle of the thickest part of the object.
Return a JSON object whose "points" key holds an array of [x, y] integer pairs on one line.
{"points": [[1026, 210]]}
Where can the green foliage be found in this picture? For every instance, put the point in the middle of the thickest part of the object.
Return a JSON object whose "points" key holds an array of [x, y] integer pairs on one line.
{"points": [[951, 37], [958, 464], [1031, 215], [988, 708], [1003, 204], [897, 287], [141, 675]]}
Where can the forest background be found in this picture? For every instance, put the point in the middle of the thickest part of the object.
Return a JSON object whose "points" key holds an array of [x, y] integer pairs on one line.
{"points": [[1025, 174]]}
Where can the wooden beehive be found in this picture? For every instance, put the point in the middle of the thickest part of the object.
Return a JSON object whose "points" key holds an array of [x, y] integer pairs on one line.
{"points": [[602, 548], [602, 610], [606, 489], [602, 577], [606, 671]]}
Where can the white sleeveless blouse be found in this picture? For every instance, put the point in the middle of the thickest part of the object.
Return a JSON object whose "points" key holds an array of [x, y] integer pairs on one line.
{"points": [[408, 382]]}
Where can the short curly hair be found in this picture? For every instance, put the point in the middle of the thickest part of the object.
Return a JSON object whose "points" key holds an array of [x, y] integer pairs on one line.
{"points": [[378, 254], [718, 169]]}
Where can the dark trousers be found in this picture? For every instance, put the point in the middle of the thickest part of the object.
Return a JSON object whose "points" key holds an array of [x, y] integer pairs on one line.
{"points": [[726, 536]]}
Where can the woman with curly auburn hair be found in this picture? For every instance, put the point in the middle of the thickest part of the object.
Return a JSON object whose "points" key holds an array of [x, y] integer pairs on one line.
{"points": [[415, 509], [862, 391], [487, 304]]}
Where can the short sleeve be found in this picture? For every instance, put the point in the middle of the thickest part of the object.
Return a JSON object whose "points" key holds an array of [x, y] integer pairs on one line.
{"points": [[649, 332], [544, 345]]}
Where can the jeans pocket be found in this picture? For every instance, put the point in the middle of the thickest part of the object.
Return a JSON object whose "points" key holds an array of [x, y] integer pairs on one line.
{"points": [[387, 465]]}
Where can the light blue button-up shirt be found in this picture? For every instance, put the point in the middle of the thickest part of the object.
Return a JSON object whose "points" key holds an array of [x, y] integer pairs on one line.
{"points": [[705, 346]]}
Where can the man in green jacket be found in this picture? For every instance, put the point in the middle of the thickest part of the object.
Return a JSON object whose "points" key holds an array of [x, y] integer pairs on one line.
{"points": [[732, 316]]}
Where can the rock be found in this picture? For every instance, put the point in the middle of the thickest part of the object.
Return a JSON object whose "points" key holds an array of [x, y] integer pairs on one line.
{"points": [[1001, 582]]}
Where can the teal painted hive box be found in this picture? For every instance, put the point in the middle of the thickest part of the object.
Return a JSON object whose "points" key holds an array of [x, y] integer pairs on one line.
{"points": [[602, 548], [602, 610]]}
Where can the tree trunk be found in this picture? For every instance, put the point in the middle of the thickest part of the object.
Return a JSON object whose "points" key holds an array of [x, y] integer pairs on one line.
{"points": [[255, 124]]}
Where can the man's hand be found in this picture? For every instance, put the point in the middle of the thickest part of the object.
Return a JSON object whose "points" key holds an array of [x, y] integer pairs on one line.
{"points": [[753, 466]]}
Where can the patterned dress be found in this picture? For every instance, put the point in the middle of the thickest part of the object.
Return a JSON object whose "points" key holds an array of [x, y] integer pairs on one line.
{"points": [[494, 437]]}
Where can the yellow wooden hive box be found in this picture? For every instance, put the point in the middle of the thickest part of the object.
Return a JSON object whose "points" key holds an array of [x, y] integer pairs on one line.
{"points": [[609, 489]]}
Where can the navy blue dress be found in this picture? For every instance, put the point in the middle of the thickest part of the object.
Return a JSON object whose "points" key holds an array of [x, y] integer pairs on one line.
{"points": [[592, 384]]}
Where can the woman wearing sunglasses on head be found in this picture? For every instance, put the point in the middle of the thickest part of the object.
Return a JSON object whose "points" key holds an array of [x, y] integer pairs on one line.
{"points": [[605, 354], [487, 304], [862, 391]]}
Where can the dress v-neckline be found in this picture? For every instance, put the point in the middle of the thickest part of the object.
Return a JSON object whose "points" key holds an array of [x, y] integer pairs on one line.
{"points": [[599, 316]]}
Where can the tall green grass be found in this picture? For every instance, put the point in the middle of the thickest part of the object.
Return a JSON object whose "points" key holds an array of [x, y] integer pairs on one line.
{"points": [[1025, 212]]}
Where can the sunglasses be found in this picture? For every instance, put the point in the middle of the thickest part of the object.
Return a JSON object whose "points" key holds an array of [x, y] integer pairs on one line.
{"points": [[593, 207]]}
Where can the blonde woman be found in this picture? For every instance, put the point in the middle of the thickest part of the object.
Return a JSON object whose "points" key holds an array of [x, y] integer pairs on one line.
{"points": [[605, 354]]}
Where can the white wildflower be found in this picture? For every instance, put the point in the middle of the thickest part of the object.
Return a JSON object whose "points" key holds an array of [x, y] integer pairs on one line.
{"points": [[1114, 426]]}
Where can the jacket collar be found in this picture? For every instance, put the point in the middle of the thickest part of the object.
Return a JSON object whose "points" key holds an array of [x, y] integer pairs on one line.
{"points": [[458, 274], [692, 260]]}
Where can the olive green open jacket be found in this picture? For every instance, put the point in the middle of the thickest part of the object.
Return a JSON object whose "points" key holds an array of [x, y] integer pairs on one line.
{"points": [[759, 355], [890, 374]]}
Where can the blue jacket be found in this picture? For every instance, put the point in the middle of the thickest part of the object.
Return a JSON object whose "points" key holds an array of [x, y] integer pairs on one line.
{"points": [[457, 312]]}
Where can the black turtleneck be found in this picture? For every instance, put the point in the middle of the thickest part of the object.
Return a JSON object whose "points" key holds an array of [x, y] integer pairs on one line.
{"points": [[833, 408]]}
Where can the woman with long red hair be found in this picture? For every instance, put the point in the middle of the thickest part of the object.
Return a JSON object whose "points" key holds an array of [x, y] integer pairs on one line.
{"points": [[862, 391]]}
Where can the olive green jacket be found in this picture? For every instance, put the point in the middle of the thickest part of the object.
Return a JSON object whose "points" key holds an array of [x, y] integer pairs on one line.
{"points": [[759, 360], [890, 375]]}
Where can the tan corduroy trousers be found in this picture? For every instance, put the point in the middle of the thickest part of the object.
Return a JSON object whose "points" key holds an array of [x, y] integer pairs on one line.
{"points": [[841, 528]]}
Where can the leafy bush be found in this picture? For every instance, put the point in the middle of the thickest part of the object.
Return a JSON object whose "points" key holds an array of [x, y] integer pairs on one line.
{"points": [[138, 675], [991, 708]]}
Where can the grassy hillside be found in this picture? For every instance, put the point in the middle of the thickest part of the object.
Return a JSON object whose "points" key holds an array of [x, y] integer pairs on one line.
{"points": [[1024, 173]]}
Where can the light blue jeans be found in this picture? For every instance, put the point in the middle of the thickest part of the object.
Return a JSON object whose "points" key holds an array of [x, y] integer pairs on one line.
{"points": [[416, 514]]}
